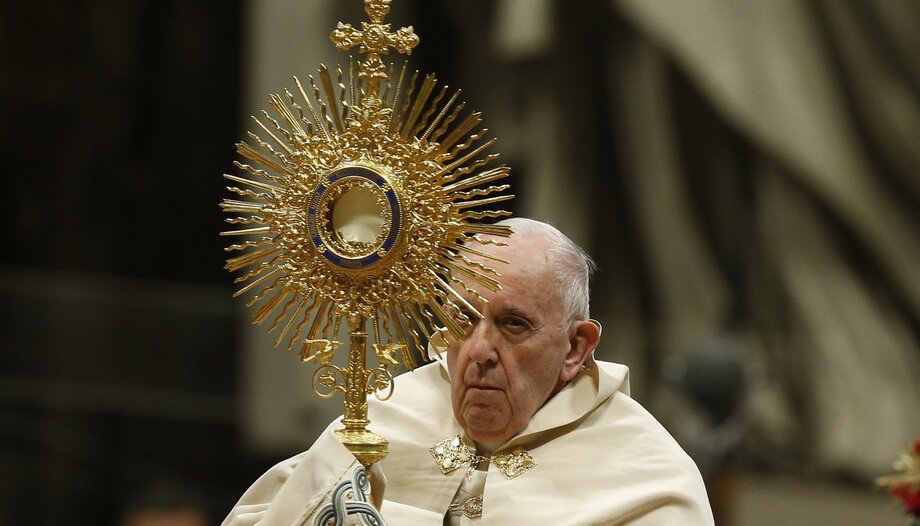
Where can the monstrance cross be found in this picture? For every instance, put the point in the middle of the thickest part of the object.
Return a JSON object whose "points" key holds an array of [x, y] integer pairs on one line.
{"points": [[375, 39]]}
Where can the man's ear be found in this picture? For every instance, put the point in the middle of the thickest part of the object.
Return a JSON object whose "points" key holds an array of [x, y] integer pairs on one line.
{"points": [[583, 339]]}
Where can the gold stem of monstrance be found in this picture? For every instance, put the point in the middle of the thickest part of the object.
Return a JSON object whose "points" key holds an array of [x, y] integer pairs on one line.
{"points": [[360, 204], [356, 382], [368, 447]]}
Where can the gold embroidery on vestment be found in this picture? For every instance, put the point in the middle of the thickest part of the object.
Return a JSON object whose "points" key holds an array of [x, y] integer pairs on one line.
{"points": [[514, 463], [472, 508], [451, 454]]}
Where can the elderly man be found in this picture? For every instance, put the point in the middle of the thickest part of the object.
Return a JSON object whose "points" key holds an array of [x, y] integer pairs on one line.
{"points": [[514, 424]]}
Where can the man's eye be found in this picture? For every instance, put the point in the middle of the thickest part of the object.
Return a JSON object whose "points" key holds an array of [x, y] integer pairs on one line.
{"points": [[515, 325]]}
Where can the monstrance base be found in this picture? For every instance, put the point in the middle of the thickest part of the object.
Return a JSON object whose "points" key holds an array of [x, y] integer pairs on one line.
{"points": [[368, 447]]}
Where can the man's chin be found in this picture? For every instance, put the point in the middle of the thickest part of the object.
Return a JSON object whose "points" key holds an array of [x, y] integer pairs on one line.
{"points": [[486, 437], [483, 425]]}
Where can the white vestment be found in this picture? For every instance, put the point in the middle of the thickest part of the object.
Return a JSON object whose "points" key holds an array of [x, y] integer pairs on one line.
{"points": [[600, 459]]}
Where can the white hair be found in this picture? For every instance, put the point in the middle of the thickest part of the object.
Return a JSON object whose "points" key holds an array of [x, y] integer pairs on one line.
{"points": [[573, 266]]}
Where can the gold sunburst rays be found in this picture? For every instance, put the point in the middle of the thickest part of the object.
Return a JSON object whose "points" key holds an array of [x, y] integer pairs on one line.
{"points": [[340, 144]]}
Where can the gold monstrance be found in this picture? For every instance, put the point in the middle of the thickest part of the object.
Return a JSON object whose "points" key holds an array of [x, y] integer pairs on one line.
{"points": [[359, 204]]}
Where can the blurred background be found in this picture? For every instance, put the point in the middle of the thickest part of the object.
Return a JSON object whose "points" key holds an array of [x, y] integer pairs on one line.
{"points": [[746, 174]]}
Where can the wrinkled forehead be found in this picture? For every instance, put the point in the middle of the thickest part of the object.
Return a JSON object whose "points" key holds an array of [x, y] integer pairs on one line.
{"points": [[528, 276]]}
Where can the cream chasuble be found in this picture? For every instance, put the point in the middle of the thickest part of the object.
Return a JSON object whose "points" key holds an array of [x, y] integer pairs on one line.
{"points": [[598, 458]]}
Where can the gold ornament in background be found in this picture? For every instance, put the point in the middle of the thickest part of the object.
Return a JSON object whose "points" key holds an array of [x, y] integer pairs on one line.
{"points": [[359, 203]]}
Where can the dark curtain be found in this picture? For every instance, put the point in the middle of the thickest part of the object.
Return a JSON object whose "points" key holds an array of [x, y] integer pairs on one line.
{"points": [[117, 340]]}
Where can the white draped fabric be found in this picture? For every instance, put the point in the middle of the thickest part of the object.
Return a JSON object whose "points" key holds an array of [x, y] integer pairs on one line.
{"points": [[600, 459]]}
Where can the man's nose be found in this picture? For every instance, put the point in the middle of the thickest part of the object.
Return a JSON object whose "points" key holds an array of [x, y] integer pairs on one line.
{"points": [[480, 343]]}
